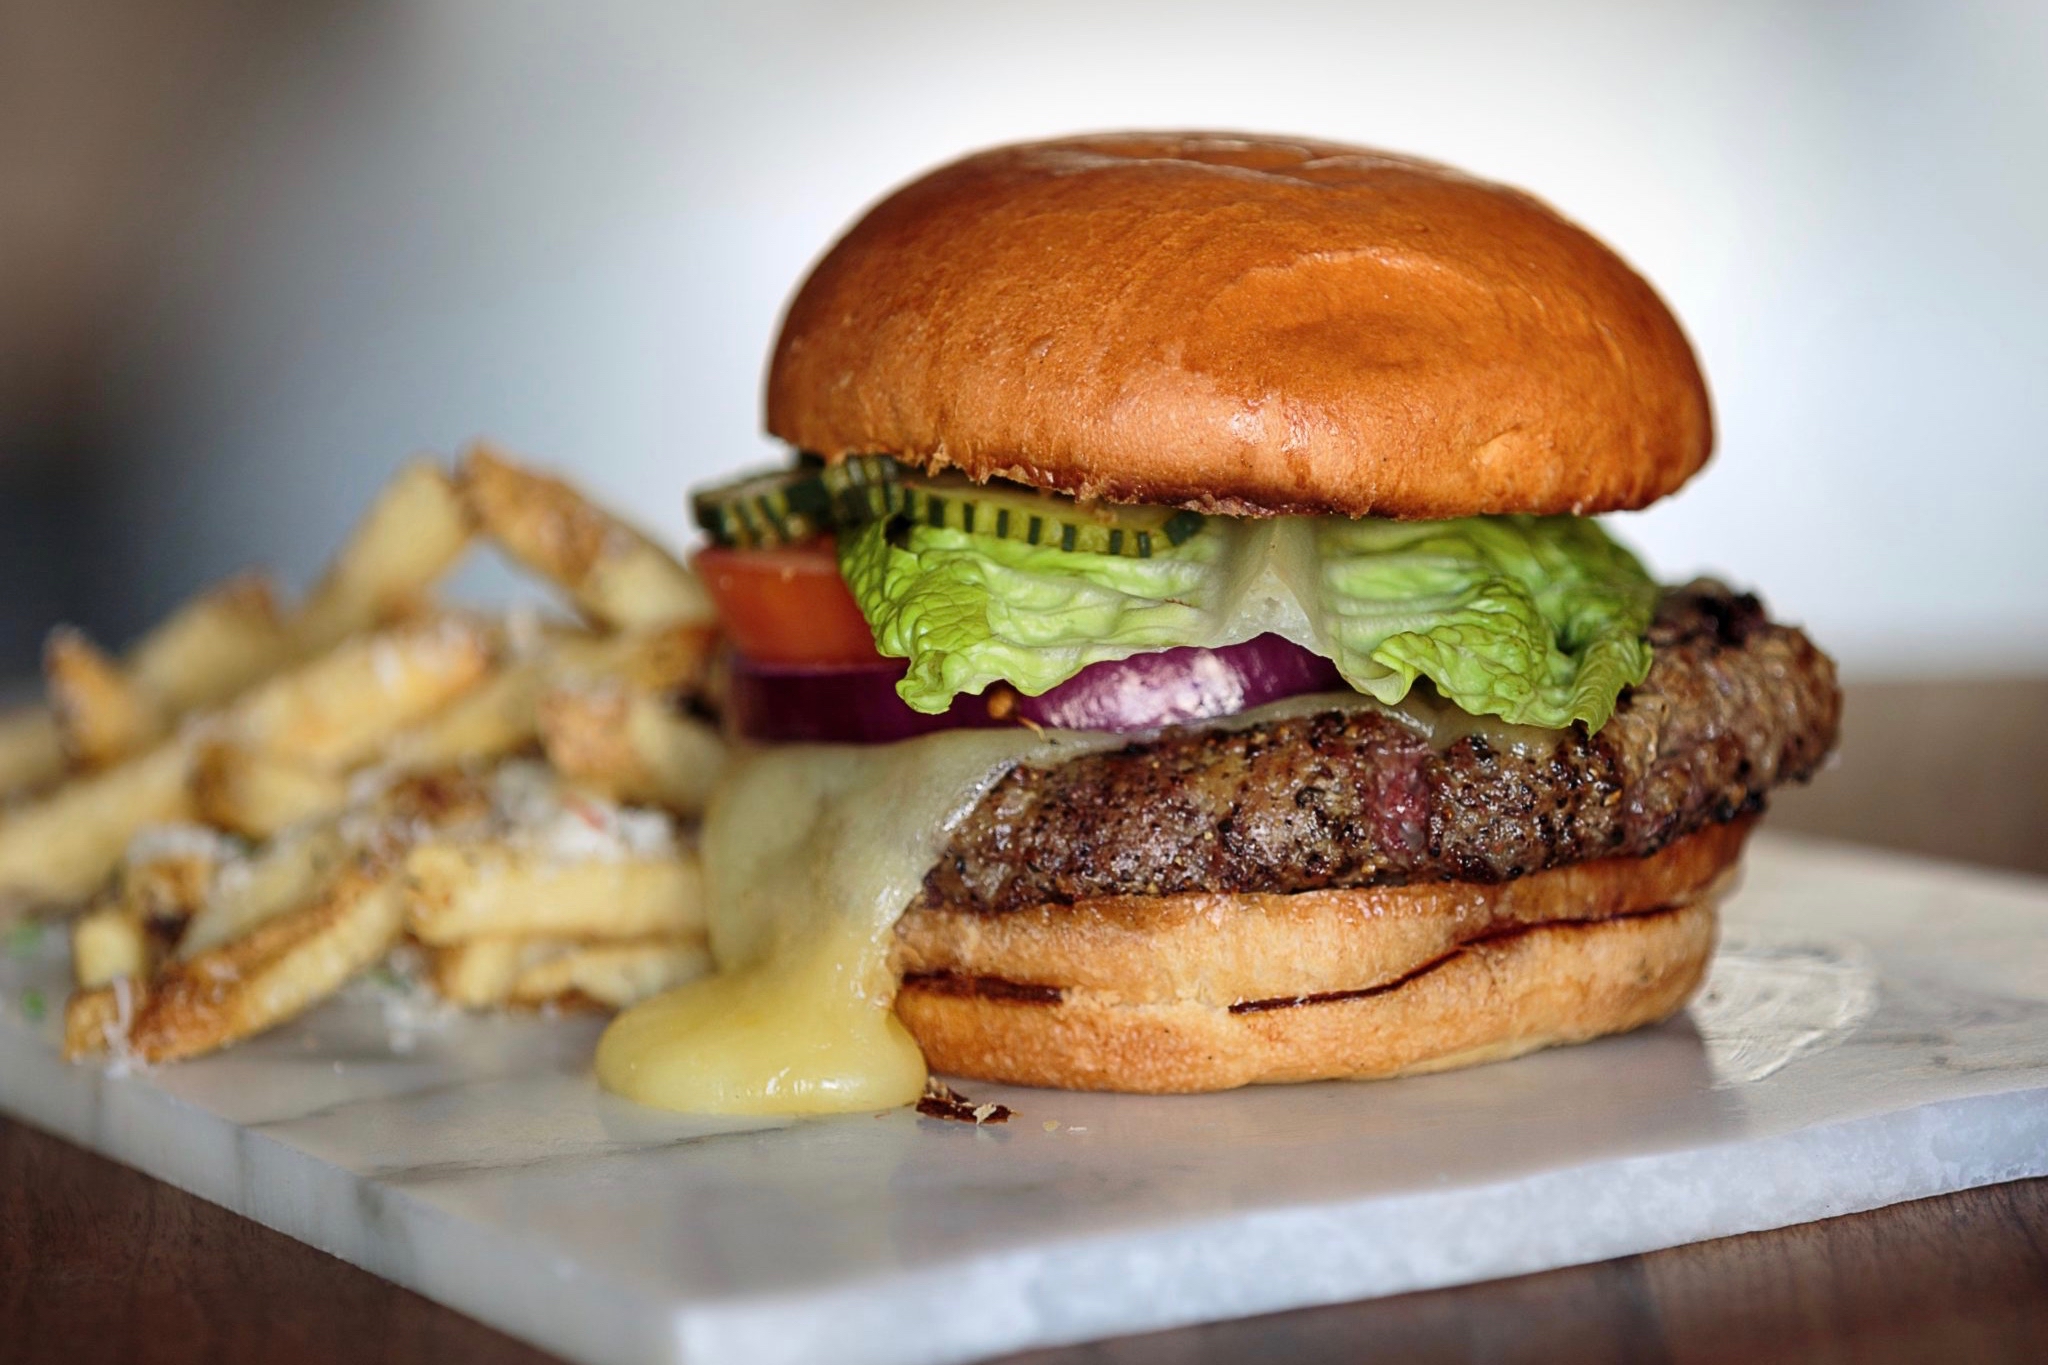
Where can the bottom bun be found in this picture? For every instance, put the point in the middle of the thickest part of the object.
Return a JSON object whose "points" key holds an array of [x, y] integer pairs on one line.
{"points": [[1458, 975]]}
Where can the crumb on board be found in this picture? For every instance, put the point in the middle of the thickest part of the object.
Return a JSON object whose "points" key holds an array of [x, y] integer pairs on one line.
{"points": [[941, 1101]]}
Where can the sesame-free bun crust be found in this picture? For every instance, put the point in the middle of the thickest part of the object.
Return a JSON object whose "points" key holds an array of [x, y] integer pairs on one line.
{"points": [[1208, 992], [1241, 324]]}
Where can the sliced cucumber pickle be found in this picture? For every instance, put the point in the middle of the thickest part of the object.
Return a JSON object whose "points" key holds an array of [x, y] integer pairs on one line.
{"points": [[862, 488], [777, 508], [785, 506], [813, 498], [1011, 512]]}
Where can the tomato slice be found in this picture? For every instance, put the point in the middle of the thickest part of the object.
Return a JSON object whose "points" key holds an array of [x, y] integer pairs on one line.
{"points": [[787, 605]]}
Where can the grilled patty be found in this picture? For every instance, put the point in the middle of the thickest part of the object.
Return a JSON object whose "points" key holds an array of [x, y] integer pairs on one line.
{"points": [[1734, 705]]}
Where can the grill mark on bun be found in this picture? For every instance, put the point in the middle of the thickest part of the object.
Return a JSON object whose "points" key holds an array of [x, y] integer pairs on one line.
{"points": [[1437, 963], [985, 987]]}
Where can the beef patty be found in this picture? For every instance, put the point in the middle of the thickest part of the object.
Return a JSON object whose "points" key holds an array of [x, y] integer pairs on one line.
{"points": [[1734, 705]]}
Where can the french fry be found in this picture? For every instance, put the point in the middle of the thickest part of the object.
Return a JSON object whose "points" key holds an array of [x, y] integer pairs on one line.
{"points": [[614, 573], [420, 806], [498, 717], [209, 649], [485, 972], [337, 709], [501, 716], [31, 749], [244, 896], [461, 891], [478, 973], [212, 647], [287, 869], [106, 943], [61, 847], [257, 794], [669, 658], [414, 532], [101, 714], [132, 927], [663, 659], [165, 879], [629, 746], [97, 1020], [492, 720], [611, 974], [284, 966]]}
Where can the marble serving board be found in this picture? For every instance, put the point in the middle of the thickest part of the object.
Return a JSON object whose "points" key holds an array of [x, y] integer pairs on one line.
{"points": [[1875, 1030]]}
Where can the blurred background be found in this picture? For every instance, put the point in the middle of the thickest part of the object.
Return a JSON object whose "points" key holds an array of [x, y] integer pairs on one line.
{"points": [[251, 257]]}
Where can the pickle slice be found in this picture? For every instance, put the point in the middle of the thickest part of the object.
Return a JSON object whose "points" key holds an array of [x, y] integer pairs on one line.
{"points": [[784, 506], [813, 498], [776, 508], [864, 488], [1034, 518]]}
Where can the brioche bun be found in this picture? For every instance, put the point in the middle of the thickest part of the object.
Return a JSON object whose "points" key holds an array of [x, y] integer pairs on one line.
{"points": [[1240, 324], [1207, 992]]}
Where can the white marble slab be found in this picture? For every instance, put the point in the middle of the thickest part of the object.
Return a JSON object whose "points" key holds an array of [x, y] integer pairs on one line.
{"points": [[1876, 1030]]}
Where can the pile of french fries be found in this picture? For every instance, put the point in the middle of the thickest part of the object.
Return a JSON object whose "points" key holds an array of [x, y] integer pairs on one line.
{"points": [[255, 805]]}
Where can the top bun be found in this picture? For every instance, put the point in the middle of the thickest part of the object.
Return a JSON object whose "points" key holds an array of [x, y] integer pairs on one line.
{"points": [[1242, 324]]}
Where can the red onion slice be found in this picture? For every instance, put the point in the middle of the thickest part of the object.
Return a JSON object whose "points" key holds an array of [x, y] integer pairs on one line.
{"points": [[1176, 686], [857, 704]]}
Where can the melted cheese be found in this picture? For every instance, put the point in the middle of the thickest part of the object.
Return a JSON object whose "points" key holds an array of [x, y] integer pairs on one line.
{"points": [[811, 853]]}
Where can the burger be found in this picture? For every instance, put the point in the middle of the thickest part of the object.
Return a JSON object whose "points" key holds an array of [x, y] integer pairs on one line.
{"points": [[1180, 652]]}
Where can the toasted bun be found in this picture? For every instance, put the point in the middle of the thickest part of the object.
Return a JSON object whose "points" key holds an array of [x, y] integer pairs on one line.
{"points": [[1246, 325], [1207, 992]]}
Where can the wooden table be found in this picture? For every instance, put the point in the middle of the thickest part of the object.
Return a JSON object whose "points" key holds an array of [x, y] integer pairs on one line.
{"points": [[98, 1263]]}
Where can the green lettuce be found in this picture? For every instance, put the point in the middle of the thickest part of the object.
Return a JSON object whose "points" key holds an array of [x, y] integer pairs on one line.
{"points": [[1537, 620]]}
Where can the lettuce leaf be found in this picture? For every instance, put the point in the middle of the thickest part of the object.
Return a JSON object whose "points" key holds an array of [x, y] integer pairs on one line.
{"points": [[1538, 620]]}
